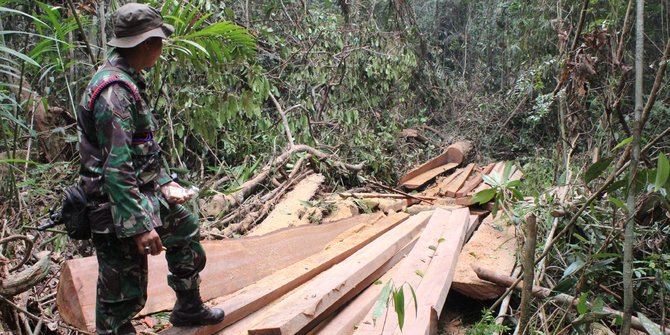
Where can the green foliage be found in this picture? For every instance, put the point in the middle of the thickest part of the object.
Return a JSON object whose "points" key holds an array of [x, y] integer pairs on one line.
{"points": [[487, 325], [503, 191], [397, 295]]}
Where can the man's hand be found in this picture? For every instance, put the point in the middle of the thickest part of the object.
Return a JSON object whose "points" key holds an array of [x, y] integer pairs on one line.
{"points": [[174, 193], [148, 243]]}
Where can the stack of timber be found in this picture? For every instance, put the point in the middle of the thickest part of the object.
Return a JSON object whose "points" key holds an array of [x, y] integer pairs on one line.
{"points": [[298, 278], [308, 296]]}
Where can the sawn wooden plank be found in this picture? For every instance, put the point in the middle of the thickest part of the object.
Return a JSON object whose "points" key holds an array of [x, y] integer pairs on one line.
{"points": [[231, 265], [253, 297], [432, 292], [306, 305]]}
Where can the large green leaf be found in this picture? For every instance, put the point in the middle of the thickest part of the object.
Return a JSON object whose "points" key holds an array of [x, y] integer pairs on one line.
{"points": [[382, 302], [596, 169], [484, 196], [649, 326], [662, 172], [399, 305], [19, 55]]}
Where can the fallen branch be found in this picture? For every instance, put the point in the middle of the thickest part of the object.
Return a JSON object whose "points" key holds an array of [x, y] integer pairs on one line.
{"points": [[26, 279], [345, 195], [266, 203], [542, 292], [391, 189]]}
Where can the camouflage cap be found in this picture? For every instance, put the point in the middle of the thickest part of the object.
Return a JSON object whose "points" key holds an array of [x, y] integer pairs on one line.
{"points": [[134, 23]]}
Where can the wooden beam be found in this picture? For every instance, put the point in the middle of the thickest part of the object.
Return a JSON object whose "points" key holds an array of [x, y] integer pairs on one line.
{"points": [[474, 181], [253, 297], [241, 327], [455, 153], [442, 186], [231, 265], [455, 184], [306, 305], [426, 176], [411, 271], [432, 292]]}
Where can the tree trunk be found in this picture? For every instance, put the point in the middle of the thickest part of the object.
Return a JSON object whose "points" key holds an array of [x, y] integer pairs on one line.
{"points": [[628, 298]]}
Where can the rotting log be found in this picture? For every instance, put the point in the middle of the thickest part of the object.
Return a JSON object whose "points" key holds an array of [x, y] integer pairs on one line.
{"points": [[253, 297], [231, 265], [543, 292], [455, 153], [307, 305]]}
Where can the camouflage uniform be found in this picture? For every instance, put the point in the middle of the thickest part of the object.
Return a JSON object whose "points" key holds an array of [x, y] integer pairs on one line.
{"points": [[121, 174]]}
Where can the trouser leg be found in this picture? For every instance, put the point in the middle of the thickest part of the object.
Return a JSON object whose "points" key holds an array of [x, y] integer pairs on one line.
{"points": [[122, 283], [185, 256]]}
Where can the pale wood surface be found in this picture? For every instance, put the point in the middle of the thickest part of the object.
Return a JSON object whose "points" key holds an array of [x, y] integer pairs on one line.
{"points": [[294, 314], [455, 184], [432, 293], [241, 327], [455, 153], [253, 297], [288, 212], [410, 272], [235, 262], [494, 246], [425, 177]]}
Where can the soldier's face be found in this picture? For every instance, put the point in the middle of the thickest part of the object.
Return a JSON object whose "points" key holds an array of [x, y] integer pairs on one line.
{"points": [[154, 49]]}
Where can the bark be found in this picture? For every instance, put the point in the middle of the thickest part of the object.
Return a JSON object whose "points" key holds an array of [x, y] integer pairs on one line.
{"points": [[629, 231], [528, 272]]}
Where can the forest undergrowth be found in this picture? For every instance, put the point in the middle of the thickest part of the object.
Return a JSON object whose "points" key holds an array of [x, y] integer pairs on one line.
{"points": [[252, 97]]}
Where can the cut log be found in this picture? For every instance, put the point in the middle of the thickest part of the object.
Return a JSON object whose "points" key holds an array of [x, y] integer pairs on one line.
{"points": [[458, 151], [235, 262], [455, 153], [414, 269], [493, 246], [455, 184], [288, 212], [425, 177], [305, 306], [253, 297]]}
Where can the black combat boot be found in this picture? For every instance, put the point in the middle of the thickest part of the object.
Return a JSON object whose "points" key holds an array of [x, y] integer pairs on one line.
{"points": [[126, 329], [190, 311]]}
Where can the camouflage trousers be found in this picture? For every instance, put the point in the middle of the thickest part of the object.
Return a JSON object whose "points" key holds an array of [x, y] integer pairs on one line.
{"points": [[122, 270]]}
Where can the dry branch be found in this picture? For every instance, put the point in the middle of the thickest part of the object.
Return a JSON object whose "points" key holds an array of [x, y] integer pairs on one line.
{"points": [[542, 292]]}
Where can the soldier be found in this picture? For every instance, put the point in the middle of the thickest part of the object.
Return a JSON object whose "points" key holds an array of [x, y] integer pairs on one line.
{"points": [[135, 206]]}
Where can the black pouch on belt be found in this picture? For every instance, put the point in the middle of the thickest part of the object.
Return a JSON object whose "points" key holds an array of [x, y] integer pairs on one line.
{"points": [[74, 213]]}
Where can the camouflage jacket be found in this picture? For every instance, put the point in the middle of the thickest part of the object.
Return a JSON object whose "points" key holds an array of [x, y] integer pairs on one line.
{"points": [[120, 162]]}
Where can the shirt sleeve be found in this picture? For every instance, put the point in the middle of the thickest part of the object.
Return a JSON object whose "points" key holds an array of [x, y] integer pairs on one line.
{"points": [[131, 210]]}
